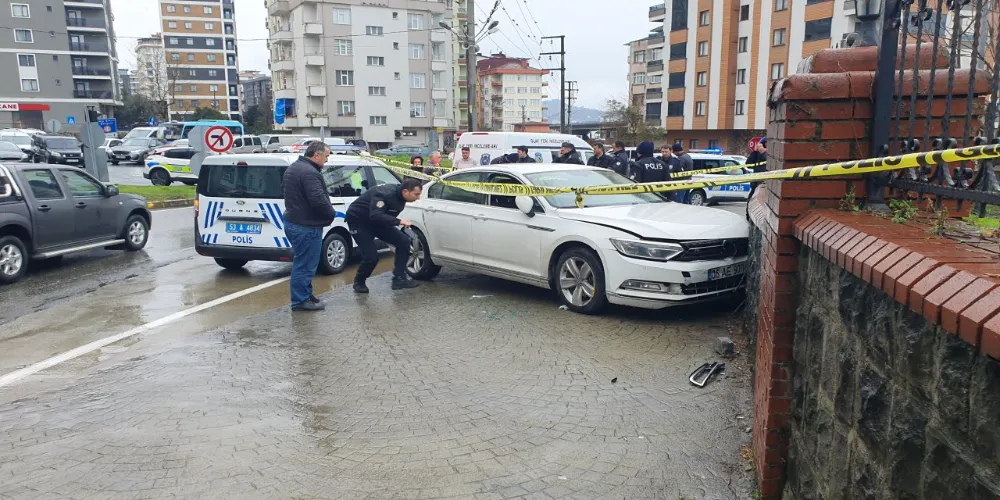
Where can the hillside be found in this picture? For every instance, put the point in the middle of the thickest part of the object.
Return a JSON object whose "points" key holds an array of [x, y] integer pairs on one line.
{"points": [[580, 114]]}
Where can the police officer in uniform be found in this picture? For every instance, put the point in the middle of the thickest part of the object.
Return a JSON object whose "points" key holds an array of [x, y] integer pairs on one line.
{"points": [[648, 168], [375, 215]]}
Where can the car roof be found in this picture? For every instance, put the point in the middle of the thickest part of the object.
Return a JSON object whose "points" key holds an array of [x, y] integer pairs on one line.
{"points": [[286, 159]]}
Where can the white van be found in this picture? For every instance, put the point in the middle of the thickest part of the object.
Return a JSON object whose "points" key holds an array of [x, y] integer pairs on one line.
{"points": [[239, 207], [246, 144], [543, 148], [146, 133], [272, 143]]}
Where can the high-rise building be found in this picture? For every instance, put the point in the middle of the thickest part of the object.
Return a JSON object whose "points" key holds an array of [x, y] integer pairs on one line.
{"points": [[257, 92], [460, 92], [200, 54], [349, 68], [150, 77], [124, 82], [511, 91], [66, 63]]}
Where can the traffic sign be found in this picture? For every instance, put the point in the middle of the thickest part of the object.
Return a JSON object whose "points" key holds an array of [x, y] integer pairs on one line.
{"points": [[152, 121], [71, 120], [109, 125], [753, 143], [219, 139]]}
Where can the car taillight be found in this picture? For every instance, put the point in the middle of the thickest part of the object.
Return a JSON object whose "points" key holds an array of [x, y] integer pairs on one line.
{"points": [[241, 164], [196, 207]]}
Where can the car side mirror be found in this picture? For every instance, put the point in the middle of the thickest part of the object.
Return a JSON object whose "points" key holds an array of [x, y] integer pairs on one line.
{"points": [[526, 205], [111, 190]]}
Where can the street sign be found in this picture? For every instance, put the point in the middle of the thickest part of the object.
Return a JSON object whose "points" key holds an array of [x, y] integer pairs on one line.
{"points": [[152, 121], [71, 120], [53, 126], [219, 139], [9, 106], [109, 125], [753, 143]]}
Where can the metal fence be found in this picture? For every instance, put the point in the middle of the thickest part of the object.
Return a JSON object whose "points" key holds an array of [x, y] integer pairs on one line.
{"points": [[962, 36]]}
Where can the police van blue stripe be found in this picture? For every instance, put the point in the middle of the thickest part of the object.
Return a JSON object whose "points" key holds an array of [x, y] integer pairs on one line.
{"points": [[207, 214], [277, 242], [277, 210], [215, 239], [276, 216], [287, 244], [218, 212], [263, 212]]}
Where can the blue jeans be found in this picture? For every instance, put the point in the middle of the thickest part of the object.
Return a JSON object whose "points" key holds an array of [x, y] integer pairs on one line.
{"points": [[306, 246]]}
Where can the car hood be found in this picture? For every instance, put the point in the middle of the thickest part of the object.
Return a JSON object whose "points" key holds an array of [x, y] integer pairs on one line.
{"points": [[669, 221]]}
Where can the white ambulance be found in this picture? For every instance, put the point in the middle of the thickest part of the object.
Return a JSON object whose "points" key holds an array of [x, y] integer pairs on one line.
{"points": [[239, 207], [485, 147]]}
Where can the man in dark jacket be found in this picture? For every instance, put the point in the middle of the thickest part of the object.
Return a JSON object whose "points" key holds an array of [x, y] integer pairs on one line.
{"points": [[621, 158], [307, 211], [684, 164], [601, 159], [647, 168], [375, 214], [568, 154], [522, 155]]}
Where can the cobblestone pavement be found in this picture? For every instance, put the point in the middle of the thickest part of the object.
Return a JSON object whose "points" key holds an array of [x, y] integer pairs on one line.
{"points": [[467, 388]]}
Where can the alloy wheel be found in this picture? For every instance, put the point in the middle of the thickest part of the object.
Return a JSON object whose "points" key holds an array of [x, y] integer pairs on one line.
{"points": [[577, 281], [416, 261], [11, 260], [137, 233], [336, 253]]}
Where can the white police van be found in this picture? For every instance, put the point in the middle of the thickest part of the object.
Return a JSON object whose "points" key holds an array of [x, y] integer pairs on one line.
{"points": [[712, 195], [239, 207]]}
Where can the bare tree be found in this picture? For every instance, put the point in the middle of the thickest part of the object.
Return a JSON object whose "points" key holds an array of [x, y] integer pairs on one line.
{"points": [[158, 74], [630, 122], [970, 47]]}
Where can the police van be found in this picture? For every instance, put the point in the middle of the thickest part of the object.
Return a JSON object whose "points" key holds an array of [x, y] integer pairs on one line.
{"points": [[543, 148], [716, 194], [239, 207]]}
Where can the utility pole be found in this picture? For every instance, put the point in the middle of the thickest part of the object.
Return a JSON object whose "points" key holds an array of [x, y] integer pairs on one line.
{"points": [[562, 77], [471, 68], [570, 97]]}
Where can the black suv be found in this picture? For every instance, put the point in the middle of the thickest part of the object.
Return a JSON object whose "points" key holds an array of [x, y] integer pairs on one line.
{"points": [[60, 149]]}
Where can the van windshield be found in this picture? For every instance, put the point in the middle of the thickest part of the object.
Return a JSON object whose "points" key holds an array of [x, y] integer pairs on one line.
{"points": [[234, 181]]}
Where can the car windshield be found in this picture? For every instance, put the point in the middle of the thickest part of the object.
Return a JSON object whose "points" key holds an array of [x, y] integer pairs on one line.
{"points": [[136, 142], [586, 178], [8, 146], [61, 143], [17, 139]]}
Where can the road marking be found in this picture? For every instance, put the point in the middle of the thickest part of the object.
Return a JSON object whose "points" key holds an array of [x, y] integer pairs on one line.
{"points": [[16, 375]]}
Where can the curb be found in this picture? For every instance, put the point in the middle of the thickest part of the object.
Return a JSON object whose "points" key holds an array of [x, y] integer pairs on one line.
{"points": [[155, 205]]}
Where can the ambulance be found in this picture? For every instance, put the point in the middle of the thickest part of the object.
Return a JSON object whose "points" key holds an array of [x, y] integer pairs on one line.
{"points": [[239, 207], [485, 147]]}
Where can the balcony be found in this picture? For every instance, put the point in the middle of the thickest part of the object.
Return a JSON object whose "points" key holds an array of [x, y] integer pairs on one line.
{"points": [[81, 24], [654, 40], [315, 60], [84, 72], [652, 66], [654, 93], [658, 13], [315, 121], [284, 93], [497, 84], [88, 47], [283, 65], [316, 91], [86, 4], [276, 7], [94, 94], [314, 29], [284, 34]]}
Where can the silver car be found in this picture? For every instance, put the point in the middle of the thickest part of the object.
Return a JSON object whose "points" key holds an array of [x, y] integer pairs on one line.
{"points": [[10, 152]]}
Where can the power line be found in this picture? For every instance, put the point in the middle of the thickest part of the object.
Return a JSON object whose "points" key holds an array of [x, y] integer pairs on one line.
{"points": [[530, 34], [352, 35]]}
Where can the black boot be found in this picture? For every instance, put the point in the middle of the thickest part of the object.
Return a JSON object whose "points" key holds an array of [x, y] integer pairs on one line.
{"points": [[360, 287], [403, 283]]}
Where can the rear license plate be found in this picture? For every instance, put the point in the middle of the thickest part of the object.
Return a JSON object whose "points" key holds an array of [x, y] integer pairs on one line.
{"points": [[241, 228], [727, 271]]}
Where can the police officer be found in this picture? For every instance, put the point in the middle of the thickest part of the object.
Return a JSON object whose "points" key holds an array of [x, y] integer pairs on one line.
{"points": [[621, 158], [375, 215], [601, 159], [647, 168]]}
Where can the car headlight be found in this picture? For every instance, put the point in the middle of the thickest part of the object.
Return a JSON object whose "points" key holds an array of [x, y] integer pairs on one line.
{"points": [[56, 155], [647, 249]]}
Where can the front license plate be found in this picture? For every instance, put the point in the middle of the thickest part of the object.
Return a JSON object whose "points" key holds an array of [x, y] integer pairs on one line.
{"points": [[241, 228], [727, 271]]}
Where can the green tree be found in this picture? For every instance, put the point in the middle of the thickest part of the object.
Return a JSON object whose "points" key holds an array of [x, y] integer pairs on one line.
{"points": [[631, 125], [204, 113], [137, 108], [258, 120]]}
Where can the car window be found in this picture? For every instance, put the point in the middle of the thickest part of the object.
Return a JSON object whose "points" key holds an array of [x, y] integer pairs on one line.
{"points": [[116, 143], [184, 154], [238, 143], [273, 140], [241, 181], [256, 141], [345, 180], [43, 184], [81, 186], [500, 200], [382, 176], [452, 193]]}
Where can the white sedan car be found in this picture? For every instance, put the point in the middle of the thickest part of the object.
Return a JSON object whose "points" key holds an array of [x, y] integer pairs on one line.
{"points": [[632, 249]]}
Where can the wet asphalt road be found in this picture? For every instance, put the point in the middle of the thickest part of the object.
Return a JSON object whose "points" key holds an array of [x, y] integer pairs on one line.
{"points": [[467, 387], [127, 175]]}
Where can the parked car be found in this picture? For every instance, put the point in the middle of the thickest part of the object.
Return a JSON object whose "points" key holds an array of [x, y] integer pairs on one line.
{"points": [[246, 144], [299, 146], [53, 210], [716, 194], [110, 142], [21, 139], [135, 150], [10, 152], [60, 149], [637, 250], [408, 150], [172, 164], [179, 143], [273, 143]]}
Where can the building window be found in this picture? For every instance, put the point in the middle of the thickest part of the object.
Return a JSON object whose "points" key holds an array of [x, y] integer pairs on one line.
{"points": [[194, 88], [175, 57], [744, 13], [376, 61], [26, 60], [374, 31], [679, 15], [741, 107], [378, 120], [207, 10], [399, 105], [376, 91], [415, 21], [778, 37], [190, 57], [213, 88], [209, 26], [29, 85], [418, 109], [741, 76], [704, 18], [174, 41], [702, 78], [639, 57], [178, 88], [23, 36], [188, 26], [693, 143], [676, 80], [396, 75], [678, 51], [713, 144], [437, 51], [418, 81], [172, 25], [742, 45], [193, 72], [818, 29], [187, 9], [777, 71], [638, 78], [211, 57], [344, 47], [699, 109], [702, 49], [171, 8], [190, 41], [437, 80], [675, 108], [345, 108], [210, 42], [654, 79], [417, 51], [656, 55], [536, 90], [522, 90], [344, 78], [213, 72], [780, 5], [341, 16], [440, 108]]}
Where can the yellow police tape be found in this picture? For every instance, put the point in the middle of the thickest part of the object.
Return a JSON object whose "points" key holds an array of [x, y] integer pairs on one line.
{"points": [[387, 161], [854, 167], [689, 173]]}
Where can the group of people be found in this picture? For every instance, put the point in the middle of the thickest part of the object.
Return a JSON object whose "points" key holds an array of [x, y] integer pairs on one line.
{"points": [[433, 166]]}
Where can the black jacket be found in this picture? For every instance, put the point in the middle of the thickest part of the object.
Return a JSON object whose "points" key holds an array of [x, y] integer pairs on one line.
{"points": [[380, 205], [621, 162], [511, 158], [571, 157], [606, 161], [650, 169], [685, 161], [756, 157], [306, 200]]}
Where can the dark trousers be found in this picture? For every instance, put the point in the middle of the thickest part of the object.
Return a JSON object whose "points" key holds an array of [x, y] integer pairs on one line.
{"points": [[307, 242], [364, 235]]}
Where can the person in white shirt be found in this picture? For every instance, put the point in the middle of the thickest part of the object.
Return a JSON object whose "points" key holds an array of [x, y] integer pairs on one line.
{"points": [[466, 161]]}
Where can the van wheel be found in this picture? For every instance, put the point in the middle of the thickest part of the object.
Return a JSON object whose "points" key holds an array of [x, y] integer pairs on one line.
{"points": [[136, 233], [159, 177], [419, 265], [335, 254], [13, 260], [231, 264], [579, 281]]}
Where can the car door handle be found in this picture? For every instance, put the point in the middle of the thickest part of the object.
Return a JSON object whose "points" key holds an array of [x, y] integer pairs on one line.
{"points": [[81, 204], [431, 208], [44, 208], [480, 216]]}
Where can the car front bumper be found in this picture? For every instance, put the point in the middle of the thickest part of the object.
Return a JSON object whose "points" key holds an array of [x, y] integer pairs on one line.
{"points": [[680, 283]]}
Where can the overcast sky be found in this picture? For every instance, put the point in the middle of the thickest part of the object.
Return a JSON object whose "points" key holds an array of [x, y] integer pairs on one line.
{"points": [[596, 32]]}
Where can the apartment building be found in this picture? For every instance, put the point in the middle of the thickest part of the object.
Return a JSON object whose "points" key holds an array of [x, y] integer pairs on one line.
{"points": [[150, 77], [125, 82], [66, 62], [257, 92], [348, 68], [512, 92], [201, 56], [704, 71]]}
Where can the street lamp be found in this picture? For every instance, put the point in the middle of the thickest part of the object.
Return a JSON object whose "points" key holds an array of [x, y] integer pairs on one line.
{"points": [[868, 12]]}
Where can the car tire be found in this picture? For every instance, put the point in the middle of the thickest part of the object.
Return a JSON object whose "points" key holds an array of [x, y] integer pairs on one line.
{"points": [[160, 177], [231, 264], [419, 265], [114, 162], [336, 252], [136, 233], [698, 198], [579, 273], [13, 260]]}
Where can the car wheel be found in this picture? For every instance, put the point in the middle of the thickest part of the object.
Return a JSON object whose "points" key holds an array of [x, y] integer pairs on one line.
{"points": [[579, 281], [419, 265], [159, 177], [231, 264], [13, 260], [136, 233], [114, 162], [335, 254], [697, 198]]}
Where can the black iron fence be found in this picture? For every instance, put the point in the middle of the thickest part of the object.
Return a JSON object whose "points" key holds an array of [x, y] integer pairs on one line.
{"points": [[934, 56]]}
